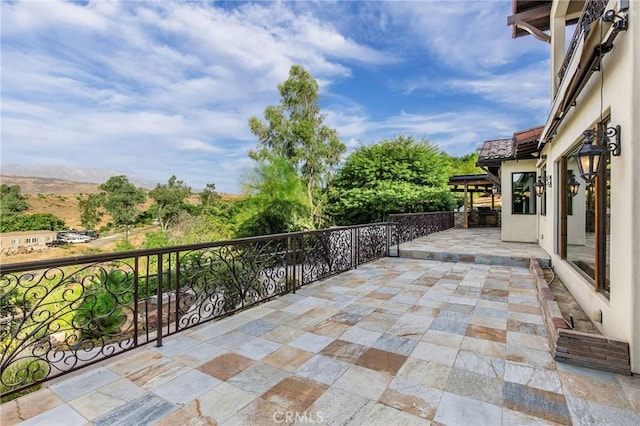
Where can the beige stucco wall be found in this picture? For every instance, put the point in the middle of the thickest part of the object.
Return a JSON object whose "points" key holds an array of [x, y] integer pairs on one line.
{"points": [[517, 227], [621, 97]]}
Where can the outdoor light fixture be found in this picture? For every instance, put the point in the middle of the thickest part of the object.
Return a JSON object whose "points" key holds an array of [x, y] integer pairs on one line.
{"points": [[573, 186], [590, 156], [539, 186]]}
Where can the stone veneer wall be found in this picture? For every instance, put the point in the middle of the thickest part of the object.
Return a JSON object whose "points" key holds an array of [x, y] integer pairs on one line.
{"points": [[575, 347]]}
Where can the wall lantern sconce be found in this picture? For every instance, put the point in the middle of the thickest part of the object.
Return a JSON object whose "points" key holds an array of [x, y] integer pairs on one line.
{"points": [[540, 184], [589, 157], [573, 186]]}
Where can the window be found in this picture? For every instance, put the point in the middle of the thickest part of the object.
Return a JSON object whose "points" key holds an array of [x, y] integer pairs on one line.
{"points": [[522, 193]]}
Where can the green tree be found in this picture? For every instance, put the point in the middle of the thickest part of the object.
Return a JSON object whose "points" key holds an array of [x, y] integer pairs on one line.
{"points": [[276, 200], [121, 200], [209, 196], [295, 130], [32, 222], [465, 165], [11, 201], [393, 176], [90, 209], [169, 201]]}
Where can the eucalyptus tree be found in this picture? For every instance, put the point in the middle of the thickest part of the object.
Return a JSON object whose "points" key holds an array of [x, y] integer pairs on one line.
{"points": [[295, 131]]}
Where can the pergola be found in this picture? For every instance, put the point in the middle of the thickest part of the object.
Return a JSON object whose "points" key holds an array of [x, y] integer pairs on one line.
{"points": [[469, 185]]}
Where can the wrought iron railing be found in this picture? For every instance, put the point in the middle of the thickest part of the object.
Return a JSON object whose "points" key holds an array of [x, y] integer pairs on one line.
{"points": [[410, 226], [59, 315], [593, 10]]}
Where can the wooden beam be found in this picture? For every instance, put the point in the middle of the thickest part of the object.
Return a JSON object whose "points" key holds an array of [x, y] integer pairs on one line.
{"points": [[538, 34], [538, 12]]}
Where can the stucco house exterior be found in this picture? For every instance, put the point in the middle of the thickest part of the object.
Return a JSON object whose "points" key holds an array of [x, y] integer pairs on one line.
{"points": [[14, 240], [591, 231]]}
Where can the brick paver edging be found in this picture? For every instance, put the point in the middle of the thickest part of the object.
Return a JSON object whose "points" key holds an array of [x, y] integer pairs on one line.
{"points": [[575, 347]]}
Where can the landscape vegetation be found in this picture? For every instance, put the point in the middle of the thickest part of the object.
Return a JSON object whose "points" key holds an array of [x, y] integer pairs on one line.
{"points": [[301, 180]]}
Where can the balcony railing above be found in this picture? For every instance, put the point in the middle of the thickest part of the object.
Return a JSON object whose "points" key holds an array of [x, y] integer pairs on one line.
{"points": [[593, 10]]}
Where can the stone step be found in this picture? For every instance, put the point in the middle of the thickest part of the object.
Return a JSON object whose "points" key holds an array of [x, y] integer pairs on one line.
{"points": [[485, 259]]}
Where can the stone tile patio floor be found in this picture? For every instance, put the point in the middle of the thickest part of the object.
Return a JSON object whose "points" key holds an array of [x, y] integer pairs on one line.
{"points": [[395, 342]]}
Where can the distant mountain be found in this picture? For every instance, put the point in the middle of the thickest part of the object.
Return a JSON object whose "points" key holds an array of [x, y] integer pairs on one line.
{"points": [[75, 174]]}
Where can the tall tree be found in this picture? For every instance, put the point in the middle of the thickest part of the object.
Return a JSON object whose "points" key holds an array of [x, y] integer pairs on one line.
{"points": [[393, 176], [121, 200], [90, 209], [295, 131], [11, 201], [209, 196], [169, 201]]}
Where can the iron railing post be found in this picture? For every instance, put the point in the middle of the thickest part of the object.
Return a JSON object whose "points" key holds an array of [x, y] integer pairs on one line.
{"points": [[136, 296], [159, 307]]}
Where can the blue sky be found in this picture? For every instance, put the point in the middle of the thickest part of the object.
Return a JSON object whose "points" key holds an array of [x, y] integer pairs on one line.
{"points": [[156, 89]]}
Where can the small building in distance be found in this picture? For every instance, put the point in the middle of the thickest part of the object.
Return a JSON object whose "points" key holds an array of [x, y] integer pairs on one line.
{"points": [[14, 240]]}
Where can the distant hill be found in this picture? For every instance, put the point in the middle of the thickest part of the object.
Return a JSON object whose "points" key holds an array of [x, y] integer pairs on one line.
{"points": [[42, 185], [76, 174]]}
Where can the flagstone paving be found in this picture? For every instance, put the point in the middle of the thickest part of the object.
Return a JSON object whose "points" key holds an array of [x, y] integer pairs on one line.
{"points": [[397, 341]]}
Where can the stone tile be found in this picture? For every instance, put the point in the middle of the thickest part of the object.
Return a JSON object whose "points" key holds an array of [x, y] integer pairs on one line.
{"points": [[180, 417], [28, 406], [531, 357], [380, 360], [380, 414], [411, 325], [137, 361], [430, 374], [321, 312], [322, 369], [631, 387], [283, 334], [220, 404], [155, 374], [484, 347], [361, 336], [187, 387], [279, 317], [606, 391], [260, 412], [443, 338], [378, 322], [257, 348], [592, 413], [106, 398], [498, 306], [288, 358], [477, 386], [176, 344], [297, 308], [344, 351], [487, 333], [257, 327], [480, 364], [84, 383], [144, 410], [412, 398], [329, 328], [535, 402], [313, 301], [539, 378], [225, 366], [336, 406], [436, 353], [364, 382], [490, 312], [526, 327], [62, 415], [294, 393], [511, 417], [231, 340], [449, 326], [525, 309], [399, 345], [461, 410], [258, 378], [198, 355], [347, 318], [311, 342], [527, 340]]}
